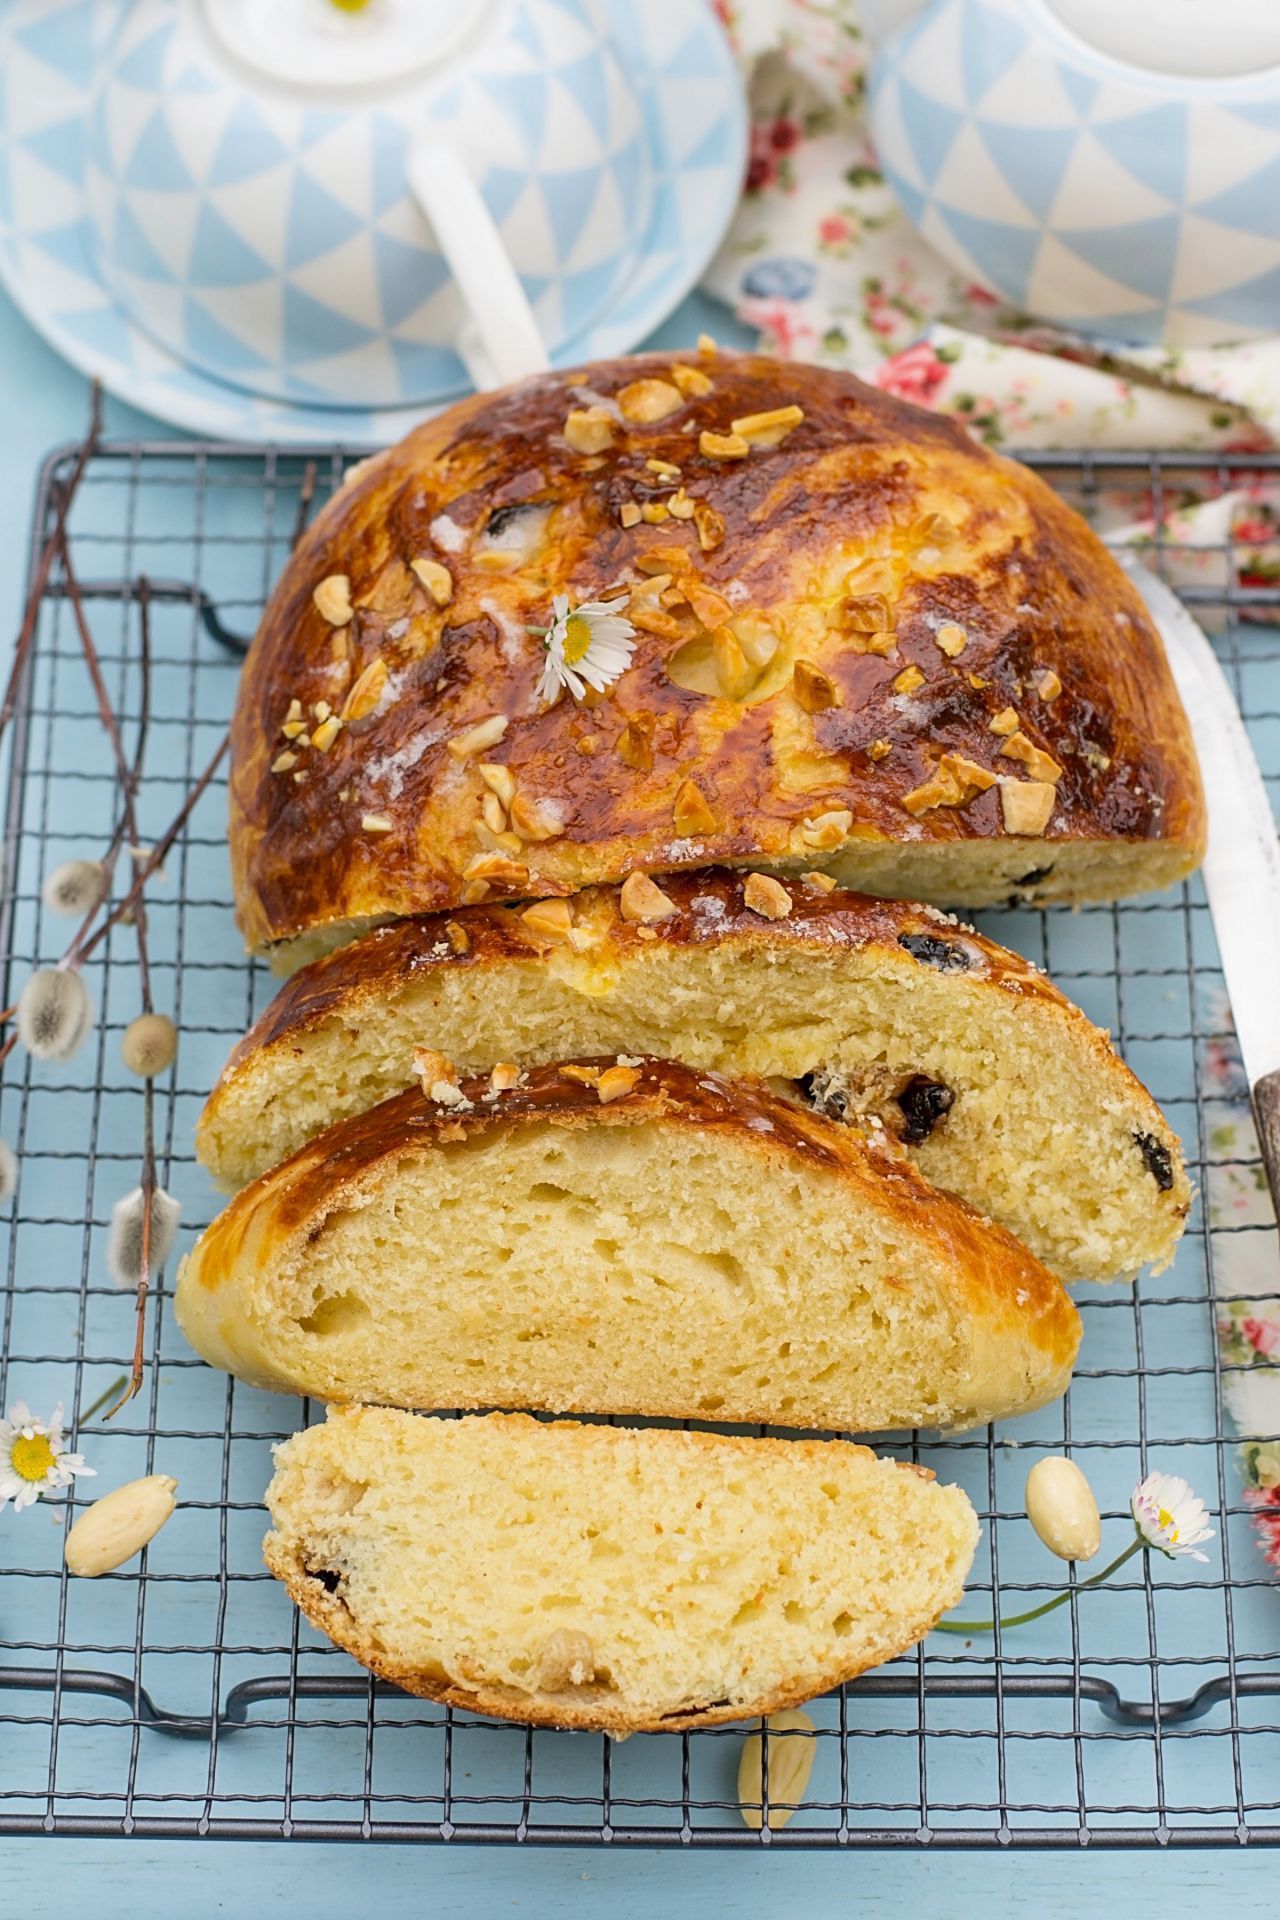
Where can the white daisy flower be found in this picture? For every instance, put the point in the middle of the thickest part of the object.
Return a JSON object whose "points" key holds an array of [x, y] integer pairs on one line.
{"points": [[34, 1458], [587, 646], [1170, 1516]]}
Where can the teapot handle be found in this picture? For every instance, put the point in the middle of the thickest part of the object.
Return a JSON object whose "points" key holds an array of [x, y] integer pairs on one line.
{"points": [[499, 342]]}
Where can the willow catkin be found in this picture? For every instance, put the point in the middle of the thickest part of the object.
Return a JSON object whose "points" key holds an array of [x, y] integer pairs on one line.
{"points": [[54, 1013], [124, 1243], [149, 1045], [8, 1171], [75, 887]]}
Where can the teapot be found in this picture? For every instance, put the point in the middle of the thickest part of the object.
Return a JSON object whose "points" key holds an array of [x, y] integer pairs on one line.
{"points": [[1113, 170]]}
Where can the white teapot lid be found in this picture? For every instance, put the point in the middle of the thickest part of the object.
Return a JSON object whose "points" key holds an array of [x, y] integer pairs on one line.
{"points": [[320, 44], [1198, 39]]}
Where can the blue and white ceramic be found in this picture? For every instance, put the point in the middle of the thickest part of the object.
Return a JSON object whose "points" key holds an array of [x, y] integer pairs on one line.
{"points": [[182, 238], [1125, 203]]}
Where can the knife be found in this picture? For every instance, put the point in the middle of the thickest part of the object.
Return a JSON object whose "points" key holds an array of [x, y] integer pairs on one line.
{"points": [[1242, 865]]}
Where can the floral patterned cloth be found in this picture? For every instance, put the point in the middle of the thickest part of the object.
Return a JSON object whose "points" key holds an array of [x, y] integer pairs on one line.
{"points": [[823, 261]]}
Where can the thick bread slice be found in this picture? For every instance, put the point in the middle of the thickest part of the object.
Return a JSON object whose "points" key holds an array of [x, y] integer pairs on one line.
{"points": [[889, 1007], [693, 1247], [585, 1576]]}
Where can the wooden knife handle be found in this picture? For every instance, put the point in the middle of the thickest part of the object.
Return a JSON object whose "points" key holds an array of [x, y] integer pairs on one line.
{"points": [[1266, 1113]]}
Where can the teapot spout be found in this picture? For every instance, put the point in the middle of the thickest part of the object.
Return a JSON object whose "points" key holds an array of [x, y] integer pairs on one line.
{"points": [[880, 20]]}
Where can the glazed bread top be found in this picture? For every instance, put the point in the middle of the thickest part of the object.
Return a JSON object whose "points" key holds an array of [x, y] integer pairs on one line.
{"points": [[862, 642]]}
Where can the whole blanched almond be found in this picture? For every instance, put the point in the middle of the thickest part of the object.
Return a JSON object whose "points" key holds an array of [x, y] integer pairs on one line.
{"points": [[791, 1753], [1062, 1509], [119, 1525]]}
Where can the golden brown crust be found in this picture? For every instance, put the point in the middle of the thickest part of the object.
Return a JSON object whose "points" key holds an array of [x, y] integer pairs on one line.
{"points": [[327, 1613], [868, 511], [1025, 1329]]}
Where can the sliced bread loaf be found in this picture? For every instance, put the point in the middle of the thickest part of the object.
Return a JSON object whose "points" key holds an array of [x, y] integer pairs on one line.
{"points": [[589, 1576], [633, 1238], [998, 1087]]}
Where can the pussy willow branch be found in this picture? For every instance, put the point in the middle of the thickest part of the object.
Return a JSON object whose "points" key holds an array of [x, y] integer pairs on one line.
{"points": [[148, 1191]]}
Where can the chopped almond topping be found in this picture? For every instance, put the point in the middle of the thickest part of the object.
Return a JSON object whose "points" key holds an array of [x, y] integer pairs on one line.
{"points": [[881, 643], [826, 829], [692, 382], [292, 728], [496, 867], [813, 689], [952, 639], [664, 469], [641, 899], [654, 512], [629, 514], [549, 919], [710, 525], [436, 1070], [757, 639], [691, 813], [504, 1076], [616, 1082], [879, 750], [733, 673], [1041, 766], [634, 747], [976, 681], [493, 813], [723, 446], [326, 733], [457, 936], [645, 401], [437, 579], [583, 1076], [283, 761], [375, 823], [485, 733], [663, 560], [536, 819], [474, 891], [1006, 721], [824, 882], [868, 612], [681, 506], [499, 780], [498, 839], [710, 607], [1026, 805], [766, 896], [588, 429], [941, 790], [707, 345], [332, 600], [967, 772], [366, 692], [933, 530], [908, 680], [295, 710], [654, 620], [321, 710], [767, 429], [1047, 684]]}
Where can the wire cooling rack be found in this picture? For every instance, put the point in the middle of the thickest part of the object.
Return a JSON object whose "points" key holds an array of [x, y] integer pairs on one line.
{"points": [[182, 1696]]}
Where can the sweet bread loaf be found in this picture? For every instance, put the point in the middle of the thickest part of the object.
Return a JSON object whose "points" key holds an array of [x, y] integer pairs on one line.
{"points": [[630, 1237], [588, 1576], [858, 641], [996, 1086]]}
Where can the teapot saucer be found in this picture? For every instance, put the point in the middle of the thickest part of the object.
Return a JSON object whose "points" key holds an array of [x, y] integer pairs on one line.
{"points": [[695, 126]]}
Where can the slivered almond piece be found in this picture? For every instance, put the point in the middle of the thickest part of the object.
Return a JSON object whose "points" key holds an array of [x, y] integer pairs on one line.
{"points": [[485, 733], [690, 810], [707, 345], [535, 819], [332, 600], [283, 761], [549, 919], [375, 823], [826, 829], [654, 512], [651, 619], [493, 813], [434, 1070], [1006, 721], [644, 401], [474, 892], [640, 899], [681, 506], [634, 748], [1047, 684], [969, 772], [824, 882], [813, 689], [503, 1076], [1040, 765], [942, 789], [588, 429], [366, 692], [497, 868], [437, 579], [767, 429], [499, 780], [664, 469], [498, 839], [457, 936], [952, 639], [766, 896], [582, 1076], [710, 525], [908, 680], [326, 733], [616, 1082], [692, 382], [1026, 805], [629, 514], [321, 710], [723, 446]]}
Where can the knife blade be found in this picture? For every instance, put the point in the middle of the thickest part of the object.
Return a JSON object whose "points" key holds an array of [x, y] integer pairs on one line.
{"points": [[1242, 862]]}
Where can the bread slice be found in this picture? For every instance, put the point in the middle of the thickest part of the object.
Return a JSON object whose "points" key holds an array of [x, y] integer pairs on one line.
{"points": [[999, 1088], [590, 1576], [691, 1247]]}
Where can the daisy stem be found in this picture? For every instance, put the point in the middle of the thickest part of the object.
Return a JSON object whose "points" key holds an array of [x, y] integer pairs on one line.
{"points": [[1037, 1613], [102, 1400]]}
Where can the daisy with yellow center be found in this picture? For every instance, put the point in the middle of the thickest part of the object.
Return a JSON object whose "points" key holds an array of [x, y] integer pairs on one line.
{"points": [[587, 646], [34, 1457], [1170, 1516]]}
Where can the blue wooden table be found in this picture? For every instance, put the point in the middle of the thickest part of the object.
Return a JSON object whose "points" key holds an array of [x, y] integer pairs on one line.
{"points": [[46, 403]]}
